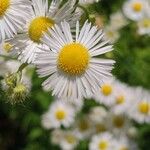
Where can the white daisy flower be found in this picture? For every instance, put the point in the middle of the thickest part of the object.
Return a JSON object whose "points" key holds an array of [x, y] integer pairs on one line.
{"points": [[42, 18], [111, 34], [122, 143], [56, 136], [106, 93], [144, 26], [83, 128], [60, 113], [136, 9], [122, 95], [69, 141], [102, 141], [117, 20], [118, 123], [13, 14], [71, 65], [97, 114], [140, 110]]}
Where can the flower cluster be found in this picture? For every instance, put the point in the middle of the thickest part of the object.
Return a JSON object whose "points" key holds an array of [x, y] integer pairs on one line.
{"points": [[110, 124], [52, 39]]}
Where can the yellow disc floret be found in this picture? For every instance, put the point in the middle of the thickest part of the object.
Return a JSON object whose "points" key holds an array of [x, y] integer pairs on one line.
{"points": [[120, 99], [106, 89], [103, 145], [60, 114], [7, 47], [144, 107], [137, 6], [38, 26], [4, 4], [71, 139], [146, 23], [73, 59], [118, 121]]}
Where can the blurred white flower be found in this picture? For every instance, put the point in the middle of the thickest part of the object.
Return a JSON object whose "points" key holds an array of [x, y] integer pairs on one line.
{"points": [[111, 34], [117, 20], [69, 141], [105, 95], [102, 141], [140, 106], [144, 26], [59, 113], [136, 9]]}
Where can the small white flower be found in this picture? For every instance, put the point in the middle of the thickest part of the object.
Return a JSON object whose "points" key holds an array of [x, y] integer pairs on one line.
{"points": [[97, 114], [13, 15], [105, 95], [102, 141], [122, 95], [60, 113], [144, 26], [69, 141], [111, 34], [117, 20], [42, 18], [83, 127], [71, 66], [140, 106], [136, 9]]}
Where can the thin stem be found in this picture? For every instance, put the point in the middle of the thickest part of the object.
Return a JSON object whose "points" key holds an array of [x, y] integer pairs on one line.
{"points": [[22, 67]]}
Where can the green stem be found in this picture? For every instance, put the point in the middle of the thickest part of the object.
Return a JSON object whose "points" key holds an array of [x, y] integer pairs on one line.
{"points": [[22, 67]]}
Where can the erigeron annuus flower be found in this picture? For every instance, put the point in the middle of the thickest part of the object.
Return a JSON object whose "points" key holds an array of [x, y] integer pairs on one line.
{"points": [[13, 15], [60, 113], [102, 141], [122, 97], [105, 95], [144, 26], [136, 9], [42, 18], [71, 65], [69, 141]]}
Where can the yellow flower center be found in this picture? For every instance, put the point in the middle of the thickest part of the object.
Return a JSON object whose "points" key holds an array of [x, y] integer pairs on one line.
{"points": [[83, 125], [144, 107], [73, 59], [60, 114], [123, 148], [38, 26], [106, 89], [120, 99], [146, 23], [118, 121], [137, 6], [7, 47], [100, 128], [70, 139], [4, 4], [103, 145]]}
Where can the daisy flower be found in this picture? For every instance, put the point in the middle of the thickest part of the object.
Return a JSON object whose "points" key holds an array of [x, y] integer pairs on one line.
{"points": [[135, 9], [117, 20], [69, 141], [13, 14], [42, 18], [105, 95], [83, 127], [122, 97], [140, 110], [60, 113], [144, 26], [102, 141], [71, 66]]}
